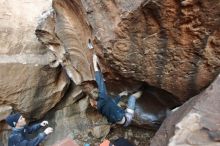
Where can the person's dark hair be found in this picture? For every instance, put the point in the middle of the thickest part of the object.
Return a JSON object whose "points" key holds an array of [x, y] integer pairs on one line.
{"points": [[122, 142], [93, 94]]}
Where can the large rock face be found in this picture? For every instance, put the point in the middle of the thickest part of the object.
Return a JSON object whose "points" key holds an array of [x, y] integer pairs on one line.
{"points": [[27, 81], [195, 123], [169, 44], [172, 45]]}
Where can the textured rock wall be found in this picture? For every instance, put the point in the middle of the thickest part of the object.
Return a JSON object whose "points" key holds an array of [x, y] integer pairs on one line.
{"points": [[194, 123], [169, 44], [27, 82], [67, 33]]}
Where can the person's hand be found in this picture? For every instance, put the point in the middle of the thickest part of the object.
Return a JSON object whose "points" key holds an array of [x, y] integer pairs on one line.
{"points": [[44, 123], [95, 58], [124, 93], [48, 130], [95, 62]]}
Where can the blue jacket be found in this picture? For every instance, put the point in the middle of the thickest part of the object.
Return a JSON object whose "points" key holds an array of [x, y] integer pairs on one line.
{"points": [[108, 107], [18, 136]]}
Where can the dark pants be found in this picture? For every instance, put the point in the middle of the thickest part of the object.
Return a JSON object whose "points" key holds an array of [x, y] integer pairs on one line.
{"points": [[103, 91], [103, 95]]}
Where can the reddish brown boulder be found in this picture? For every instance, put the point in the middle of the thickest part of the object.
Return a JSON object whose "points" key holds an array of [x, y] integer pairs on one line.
{"points": [[168, 44]]}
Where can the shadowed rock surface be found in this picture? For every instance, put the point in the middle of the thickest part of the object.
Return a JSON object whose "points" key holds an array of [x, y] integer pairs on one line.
{"points": [[153, 106]]}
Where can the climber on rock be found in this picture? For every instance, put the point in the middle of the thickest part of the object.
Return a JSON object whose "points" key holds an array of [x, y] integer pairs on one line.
{"points": [[107, 106], [20, 129]]}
